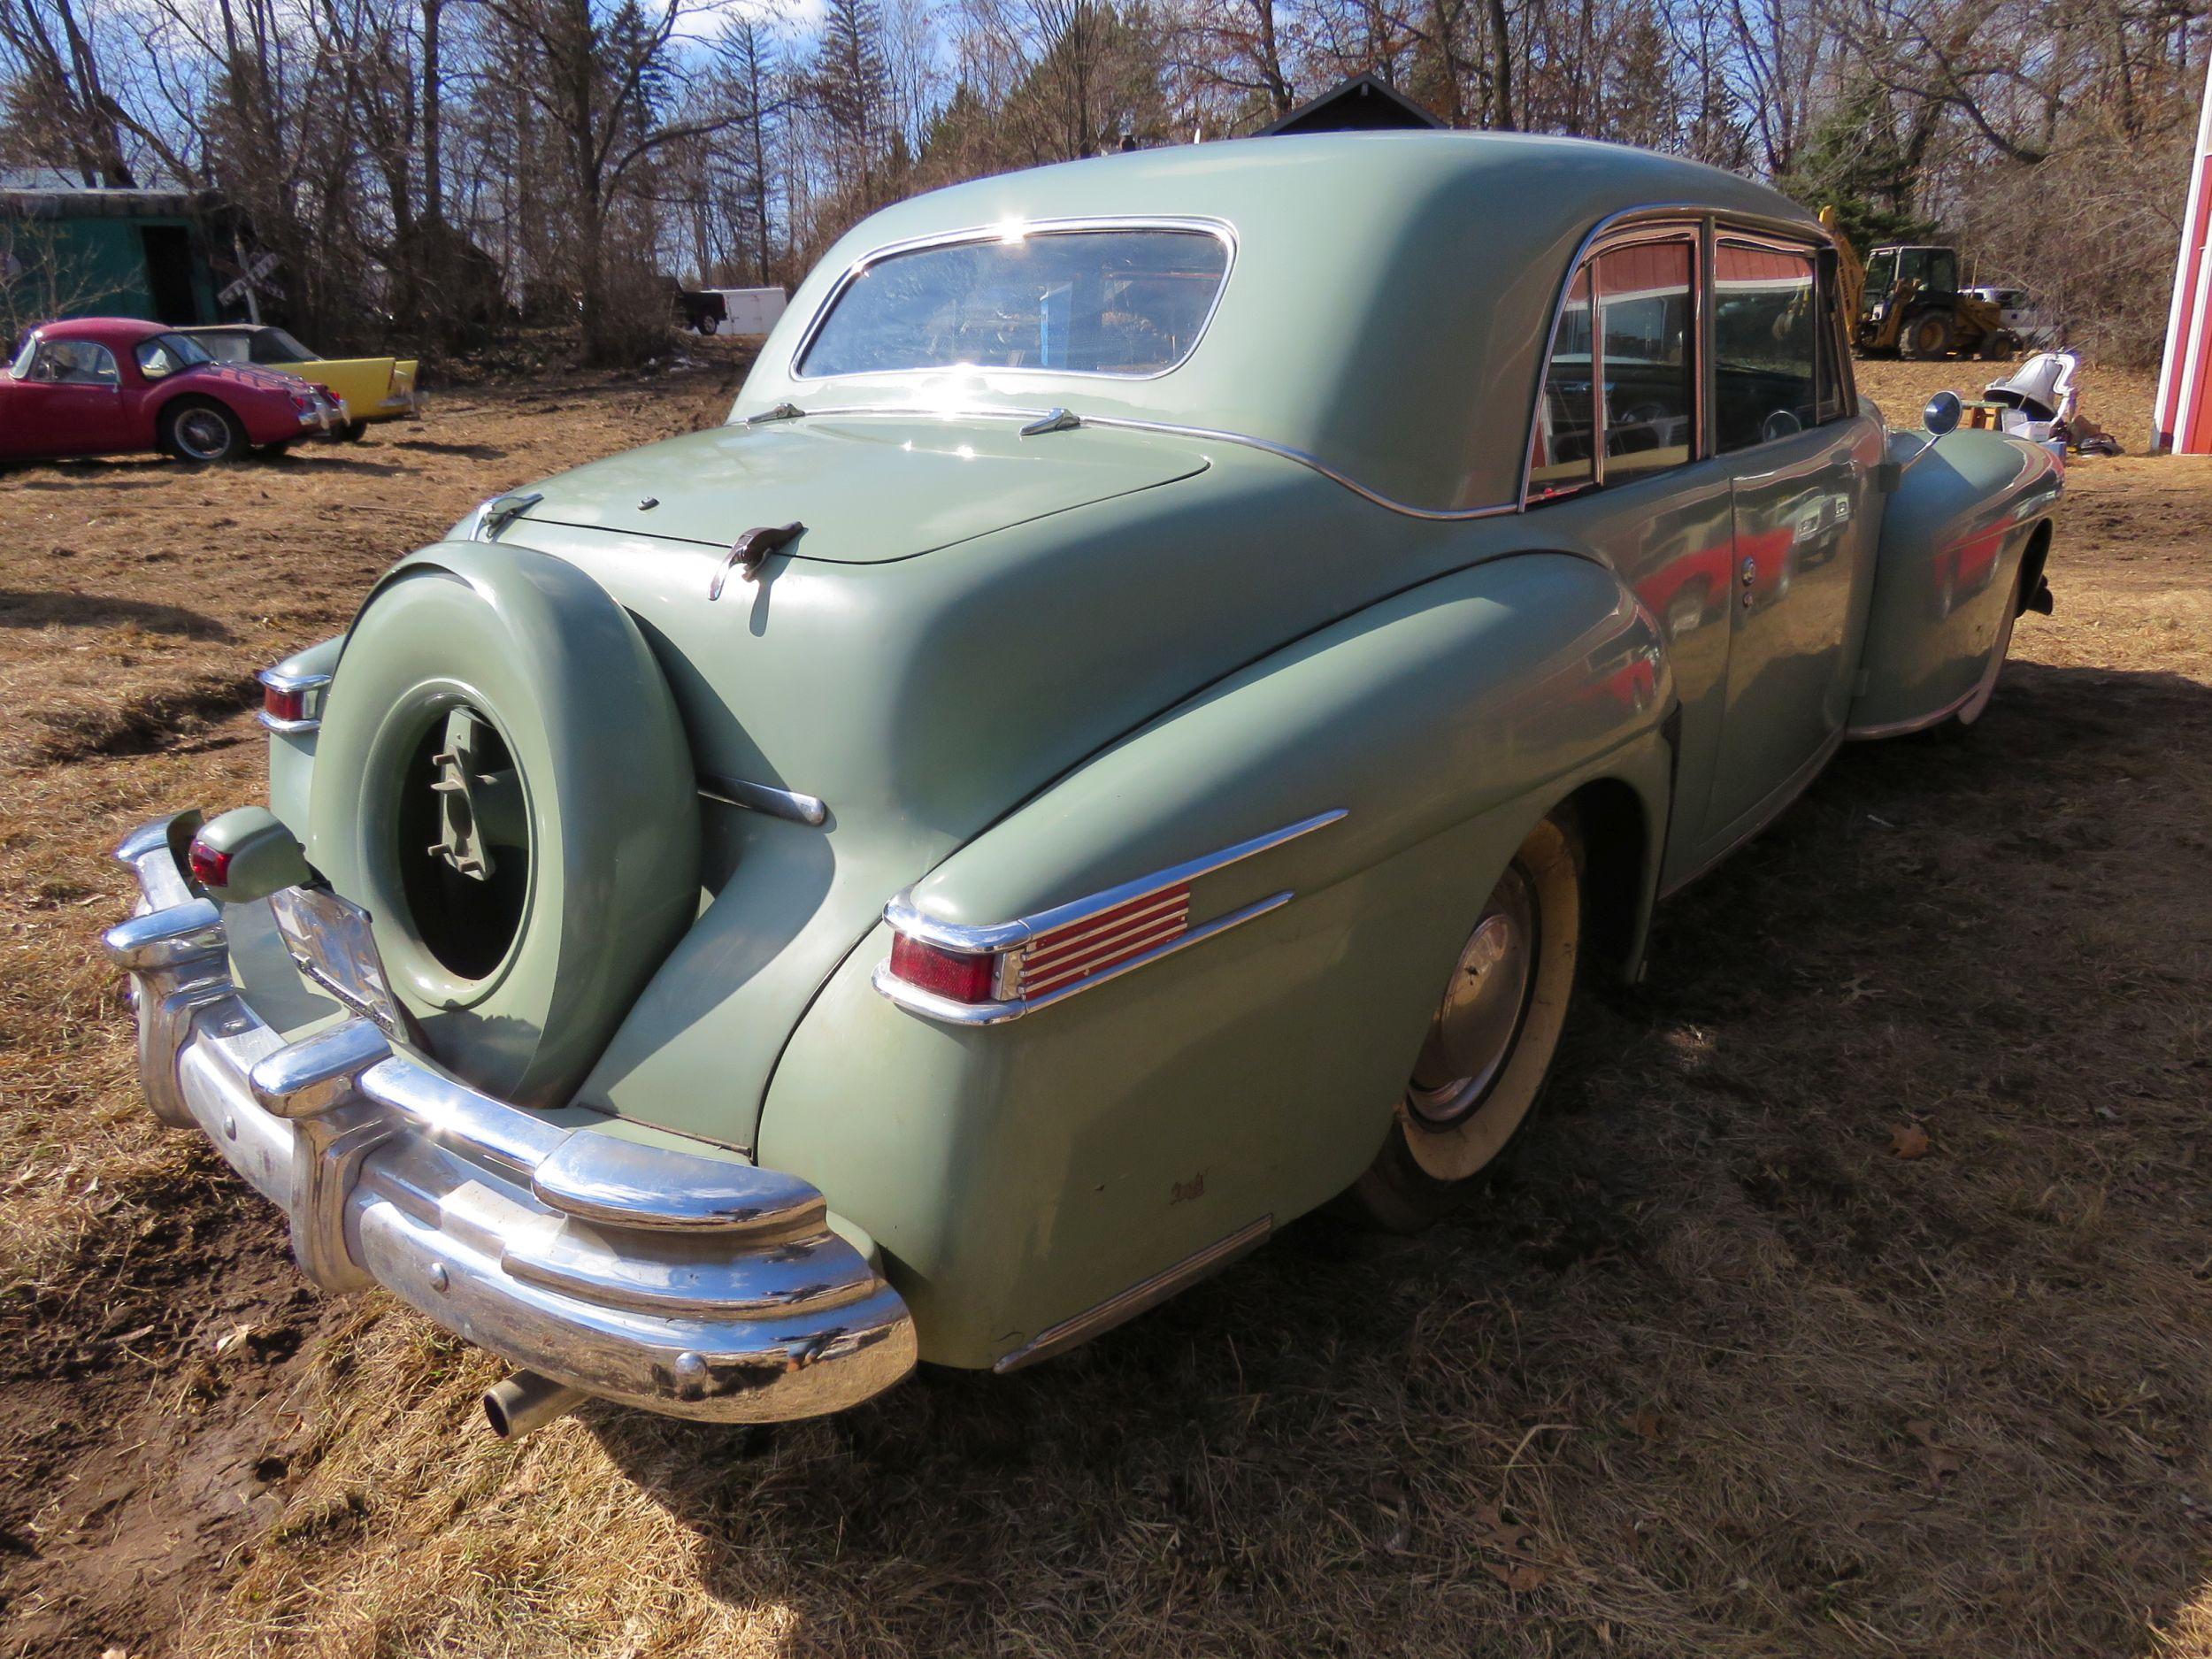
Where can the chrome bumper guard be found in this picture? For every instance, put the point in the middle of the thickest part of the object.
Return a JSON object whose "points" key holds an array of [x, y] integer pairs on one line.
{"points": [[663, 1280]]}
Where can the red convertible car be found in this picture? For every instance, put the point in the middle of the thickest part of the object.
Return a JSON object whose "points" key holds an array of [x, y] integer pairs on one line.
{"points": [[109, 385]]}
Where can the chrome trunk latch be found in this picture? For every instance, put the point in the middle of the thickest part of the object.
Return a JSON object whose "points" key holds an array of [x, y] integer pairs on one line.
{"points": [[750, 551], [1052, 421], [501, 511]]}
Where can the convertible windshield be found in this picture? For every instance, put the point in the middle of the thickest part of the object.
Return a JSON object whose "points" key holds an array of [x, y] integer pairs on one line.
{"points": [[1092, 301]]}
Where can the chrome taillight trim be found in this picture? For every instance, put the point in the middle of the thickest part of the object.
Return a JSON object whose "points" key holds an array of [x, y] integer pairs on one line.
{"points": [[313, 685], [952, 1013], [1009, 940]]}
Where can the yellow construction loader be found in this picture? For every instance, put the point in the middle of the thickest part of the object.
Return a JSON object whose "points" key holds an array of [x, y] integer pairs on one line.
{"points": [[1905, 301]]}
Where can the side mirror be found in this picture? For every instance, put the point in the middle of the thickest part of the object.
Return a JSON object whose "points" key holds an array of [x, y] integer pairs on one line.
{"points": [[1942, 414]]}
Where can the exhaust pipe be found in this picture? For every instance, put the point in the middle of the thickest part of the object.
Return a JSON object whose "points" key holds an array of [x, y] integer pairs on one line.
{"points": [[526, 1401]]}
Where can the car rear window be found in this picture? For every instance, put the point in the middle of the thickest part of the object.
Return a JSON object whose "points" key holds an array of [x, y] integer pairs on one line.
{"points": [[1129, 302]]}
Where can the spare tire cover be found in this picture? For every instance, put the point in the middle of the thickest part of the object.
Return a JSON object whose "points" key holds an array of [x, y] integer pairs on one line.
{"points": [[502, 782]]}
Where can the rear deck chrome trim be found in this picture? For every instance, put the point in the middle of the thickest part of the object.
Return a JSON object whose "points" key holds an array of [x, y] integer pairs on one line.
{"points": [[1138, 1297]]}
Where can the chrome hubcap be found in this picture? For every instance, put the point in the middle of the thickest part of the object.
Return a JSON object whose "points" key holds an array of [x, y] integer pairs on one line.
{"points": [[203, 434], [1475, 1026]]}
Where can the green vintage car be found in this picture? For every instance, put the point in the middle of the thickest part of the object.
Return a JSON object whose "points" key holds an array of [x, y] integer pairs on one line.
{"points": [[1174, 670]]}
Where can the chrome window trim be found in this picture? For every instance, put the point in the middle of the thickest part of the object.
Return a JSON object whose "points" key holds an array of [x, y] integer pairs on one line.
{"points": [[1006, 940], [1220, 230], [313, 685], [1129, 423], [1705, 222]]}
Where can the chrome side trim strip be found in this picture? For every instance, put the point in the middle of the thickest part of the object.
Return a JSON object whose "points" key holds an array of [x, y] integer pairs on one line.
{"points": [[1920, 723], [951, 1013], [915, 924], [760, 798], [1138, 1298]]}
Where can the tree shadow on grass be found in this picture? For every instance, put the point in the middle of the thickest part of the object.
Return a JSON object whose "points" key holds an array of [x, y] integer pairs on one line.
{"points": [[31, 610]]}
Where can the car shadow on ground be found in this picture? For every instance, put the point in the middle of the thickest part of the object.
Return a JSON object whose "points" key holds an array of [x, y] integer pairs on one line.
{"points": [[468, 452], [20, 609], [323, 460], [1727, 1359]]}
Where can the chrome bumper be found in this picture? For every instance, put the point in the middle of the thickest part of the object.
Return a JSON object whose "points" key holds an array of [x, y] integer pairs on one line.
{"points": [[666, 1280]]}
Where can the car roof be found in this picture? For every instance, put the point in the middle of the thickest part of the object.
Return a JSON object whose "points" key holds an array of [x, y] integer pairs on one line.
{"points": [[103, 328], [224, 329], [1384, 284]]}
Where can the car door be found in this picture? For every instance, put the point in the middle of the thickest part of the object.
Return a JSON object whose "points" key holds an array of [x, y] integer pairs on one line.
{"points": [[1802, 460], [64, 397]]}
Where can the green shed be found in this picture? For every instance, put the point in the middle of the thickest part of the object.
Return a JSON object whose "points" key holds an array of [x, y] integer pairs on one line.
{"points": [[70, 251]]}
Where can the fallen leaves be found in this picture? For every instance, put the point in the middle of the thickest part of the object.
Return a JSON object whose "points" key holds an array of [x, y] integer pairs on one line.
{"points": [[1909, 1141], [1940, 1461], [1520, 1571]]}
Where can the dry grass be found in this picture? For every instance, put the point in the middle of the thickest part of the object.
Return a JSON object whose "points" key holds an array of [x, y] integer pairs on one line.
{"points": [[1715, 1371]]}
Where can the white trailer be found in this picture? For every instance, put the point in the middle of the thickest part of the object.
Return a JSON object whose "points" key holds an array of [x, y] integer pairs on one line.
{"points": [[746, 311]]}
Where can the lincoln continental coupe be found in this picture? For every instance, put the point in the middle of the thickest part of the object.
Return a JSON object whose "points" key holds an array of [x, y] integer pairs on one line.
{"points": [[1174, 670]]}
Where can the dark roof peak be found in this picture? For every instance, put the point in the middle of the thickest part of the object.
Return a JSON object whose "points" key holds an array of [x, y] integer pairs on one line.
{"points": [[1364, 103]]}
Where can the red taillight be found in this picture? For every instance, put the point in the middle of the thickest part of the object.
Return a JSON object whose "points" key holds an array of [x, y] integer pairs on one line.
{"points": [[284, 702], [210, 866], [1077, 950], [957, 976]]}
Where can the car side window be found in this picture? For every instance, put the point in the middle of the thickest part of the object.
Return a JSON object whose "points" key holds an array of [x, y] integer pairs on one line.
{"points": [[1646, 321], [224, 348], [1561, 458], [1768, 327], [156, 361], [75, 362]]}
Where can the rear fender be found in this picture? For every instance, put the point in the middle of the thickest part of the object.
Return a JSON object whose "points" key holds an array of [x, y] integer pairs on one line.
{"points": [[1954, 533], [1018, 1174]]}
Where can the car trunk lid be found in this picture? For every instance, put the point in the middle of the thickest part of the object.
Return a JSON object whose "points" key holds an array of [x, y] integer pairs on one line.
{"points": [[931, 483]]}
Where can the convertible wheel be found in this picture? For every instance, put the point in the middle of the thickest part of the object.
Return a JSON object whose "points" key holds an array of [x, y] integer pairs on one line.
{"points": [[1491, 1042], [201, 433], [353, 431]]}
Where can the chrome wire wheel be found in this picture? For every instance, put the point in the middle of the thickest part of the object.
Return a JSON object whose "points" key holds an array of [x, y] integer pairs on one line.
{"points": [[1475, 1024], [201, 433]]}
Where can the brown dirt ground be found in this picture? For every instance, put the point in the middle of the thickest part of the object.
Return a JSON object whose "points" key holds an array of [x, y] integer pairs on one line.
{"points": [[1714, 1371]]}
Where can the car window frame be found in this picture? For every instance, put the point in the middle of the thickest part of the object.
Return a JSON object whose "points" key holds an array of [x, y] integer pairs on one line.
{"points": [[1831, 328], [114, 382], [1672, 228], [1221, 230]]}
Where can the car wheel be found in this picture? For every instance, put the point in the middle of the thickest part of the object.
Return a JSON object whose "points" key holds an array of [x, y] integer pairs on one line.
{"points": [[1487, 1055], [201, 433], [1928, 336], [353, 431]]}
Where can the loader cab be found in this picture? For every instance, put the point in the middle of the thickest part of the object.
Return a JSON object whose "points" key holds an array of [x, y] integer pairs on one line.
{"points": [[1930, 270]]}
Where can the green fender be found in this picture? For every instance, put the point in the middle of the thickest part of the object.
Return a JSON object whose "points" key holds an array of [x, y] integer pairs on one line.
{"points": [[1954, 533], [1018, 1174]]}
